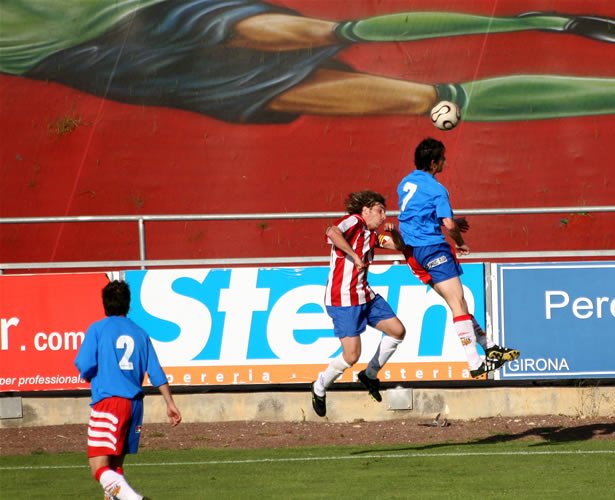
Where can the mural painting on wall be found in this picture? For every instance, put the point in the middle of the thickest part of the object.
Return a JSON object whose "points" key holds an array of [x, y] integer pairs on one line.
{"points": [[245, 63]]}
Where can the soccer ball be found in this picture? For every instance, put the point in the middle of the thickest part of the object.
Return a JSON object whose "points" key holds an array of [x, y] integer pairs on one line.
{"points": [[445, 115]]}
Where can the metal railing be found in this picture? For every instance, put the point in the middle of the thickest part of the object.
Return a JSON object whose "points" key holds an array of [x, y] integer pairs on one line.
{"points": [[144, 263]]}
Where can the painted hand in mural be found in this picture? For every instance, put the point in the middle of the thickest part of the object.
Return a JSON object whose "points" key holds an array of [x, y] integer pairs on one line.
{"points": [[244, 61]]}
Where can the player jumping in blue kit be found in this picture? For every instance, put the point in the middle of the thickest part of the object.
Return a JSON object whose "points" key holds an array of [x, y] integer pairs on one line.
{"points": [[424, 208], [115, 355]]}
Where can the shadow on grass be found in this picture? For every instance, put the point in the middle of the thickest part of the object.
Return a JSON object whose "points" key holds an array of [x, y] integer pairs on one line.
{"points": [[546, 435]]}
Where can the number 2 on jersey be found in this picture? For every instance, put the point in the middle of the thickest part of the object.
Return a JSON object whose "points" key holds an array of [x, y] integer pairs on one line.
{"points": [[410, 189], [125, 342]]}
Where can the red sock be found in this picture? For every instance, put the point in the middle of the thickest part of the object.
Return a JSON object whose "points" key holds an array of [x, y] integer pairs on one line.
{"points": [[465, 332], [99, 472]]}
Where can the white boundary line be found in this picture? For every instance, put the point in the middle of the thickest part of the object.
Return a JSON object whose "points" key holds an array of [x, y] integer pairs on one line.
{"points": [[343, 457]]}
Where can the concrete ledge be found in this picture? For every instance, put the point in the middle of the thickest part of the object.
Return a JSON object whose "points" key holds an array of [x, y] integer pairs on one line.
{"points": [[342, 406]]}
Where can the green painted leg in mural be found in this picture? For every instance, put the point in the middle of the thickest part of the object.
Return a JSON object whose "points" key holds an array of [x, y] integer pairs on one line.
{"points": [[409, 26], [531, 97]]}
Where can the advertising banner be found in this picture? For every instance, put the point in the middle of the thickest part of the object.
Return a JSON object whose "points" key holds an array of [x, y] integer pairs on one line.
{"points": [[225, 326], [262, 326], [43, 320], [560, 316]]}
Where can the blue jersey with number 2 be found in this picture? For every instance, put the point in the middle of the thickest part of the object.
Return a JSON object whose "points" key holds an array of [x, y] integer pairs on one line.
{"points": [[423, 203], [115, 355]]}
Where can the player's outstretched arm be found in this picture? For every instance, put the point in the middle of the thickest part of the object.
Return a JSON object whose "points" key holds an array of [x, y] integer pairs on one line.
{"points": [[173, 413], [462, 224], [455, 233], [395, 241]]}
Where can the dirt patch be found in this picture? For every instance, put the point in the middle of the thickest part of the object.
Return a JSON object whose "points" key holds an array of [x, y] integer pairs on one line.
{"points": [[66, 438]]}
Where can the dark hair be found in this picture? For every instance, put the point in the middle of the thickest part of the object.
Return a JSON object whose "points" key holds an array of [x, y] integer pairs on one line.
{"points": [[359, 199], [116, 298], [428, 150]]}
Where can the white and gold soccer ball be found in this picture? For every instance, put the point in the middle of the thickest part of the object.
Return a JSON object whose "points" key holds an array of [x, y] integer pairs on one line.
{"points": [[445, 115]]}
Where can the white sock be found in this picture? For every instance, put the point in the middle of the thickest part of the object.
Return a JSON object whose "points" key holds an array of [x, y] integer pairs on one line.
{"points": [[116, 486], [386, 348], [481, 336], [334, 371], [465, 332]]}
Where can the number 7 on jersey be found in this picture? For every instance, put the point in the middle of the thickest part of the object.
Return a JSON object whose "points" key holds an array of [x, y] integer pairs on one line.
{"points": [[409, 188]]}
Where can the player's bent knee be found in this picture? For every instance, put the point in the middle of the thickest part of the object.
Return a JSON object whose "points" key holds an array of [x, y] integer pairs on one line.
{"points": [[398, 334], [396, 330], [351, 358], [353, 361]]}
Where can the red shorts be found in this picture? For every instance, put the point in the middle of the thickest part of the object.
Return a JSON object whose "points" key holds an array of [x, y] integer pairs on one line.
{"points": [[415, 267], [115, 427]]}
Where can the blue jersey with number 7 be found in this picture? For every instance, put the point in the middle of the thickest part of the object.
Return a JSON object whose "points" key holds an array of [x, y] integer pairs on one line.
{"points": [[423, 203], [115, 355]]}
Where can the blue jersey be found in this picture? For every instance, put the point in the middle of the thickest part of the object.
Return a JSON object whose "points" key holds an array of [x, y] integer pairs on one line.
{"points": [[115, 355], [423, 203]]}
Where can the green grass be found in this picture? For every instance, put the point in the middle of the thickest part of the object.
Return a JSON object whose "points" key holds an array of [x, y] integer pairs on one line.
{"points": [[528, 469]]}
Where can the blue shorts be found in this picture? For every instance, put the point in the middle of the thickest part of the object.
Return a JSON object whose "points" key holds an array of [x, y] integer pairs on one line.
{"points": [[438, 261], [351, 321]]}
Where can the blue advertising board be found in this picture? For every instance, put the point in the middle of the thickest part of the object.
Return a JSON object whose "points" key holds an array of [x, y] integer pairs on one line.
{"points": [[269, 325], [560, 316]]}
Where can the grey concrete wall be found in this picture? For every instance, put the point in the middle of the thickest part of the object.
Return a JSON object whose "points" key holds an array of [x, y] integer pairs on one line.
{"points": [[343, 406]]}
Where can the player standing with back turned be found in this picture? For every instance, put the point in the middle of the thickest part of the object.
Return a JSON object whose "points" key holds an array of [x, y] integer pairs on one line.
{"points": [[115, 355], [424, 208]]}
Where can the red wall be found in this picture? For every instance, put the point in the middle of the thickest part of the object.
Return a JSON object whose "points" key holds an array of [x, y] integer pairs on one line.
{"points": [[126, 159]]}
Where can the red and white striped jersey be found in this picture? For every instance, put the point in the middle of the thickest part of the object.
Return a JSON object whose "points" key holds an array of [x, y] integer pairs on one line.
{"points": [[346, 286]]}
